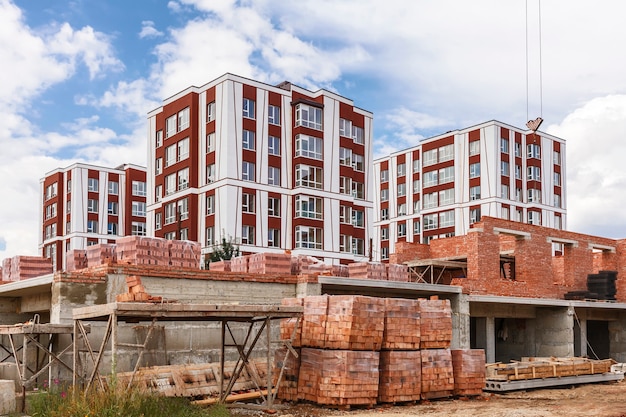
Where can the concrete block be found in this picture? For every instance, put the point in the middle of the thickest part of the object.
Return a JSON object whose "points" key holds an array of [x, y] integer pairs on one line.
{"points": [[7, 397]]}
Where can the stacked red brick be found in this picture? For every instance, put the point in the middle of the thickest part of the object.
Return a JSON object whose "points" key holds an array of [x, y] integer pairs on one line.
{"points": [[239, 264], [101, 254], [400, 372], [289, 365], [368, 270], [25, 267], [141, 250], [469, 371], [220, 266], [136, 291], [436, 336], [76, 259], [398, 273], [269, 263], [184, 254]]}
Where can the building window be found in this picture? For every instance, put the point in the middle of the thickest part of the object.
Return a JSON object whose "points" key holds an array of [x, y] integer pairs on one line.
{"points": [[138, 209], [92, 206], [345, 156], [416, 206], [184, 234], [210, 173], [474, 148], [308, 237], [183, 119], [384, 194], [430, 157], [157, 221], [358, 190], [210, 236], [358, 135], [431, 178], [183, 149], [92, 226], [534, 217], [557, 200], [183, 179], [504, 145], [183, 209], [384, 214], [345, 215], [504, 168], [505, 213], [402, 209], [248, 140], [504, 191], [518, 149], [401, 229], [446, 197], [446, 153], [309, 176], [170, 213], [113, 188], [416, 186], [345, 128], [92, 185], [384, 175], [139, 188], [446, 175], [309, 146], [170, 184], [273, 206], [430, 200], [358, 218], [273, 238], [518, 172], [309, 116], [557, 178], [533, 151], [556, 157], [138, 229], [158, 166], [534, 173], [474, 170], [416, 165], [113, 208], [475, 193], [401, 189], [210, 142], [430, 221], [210, 112], [416, 226], [170, 126], [247, 203], [474, 215], [247, 171], [247, 235], [384, 253], [210, 204], [69, 187], [170, 236], [273, 146], [273, 115], [344, 243], [534, 195], [558, 222], [159, 138], [358, 162], [384, 233], [158, 193], [248, 108], [446, 219], [401, 170], [309, 207], [170, 155], [358, 246], [518, 194]]}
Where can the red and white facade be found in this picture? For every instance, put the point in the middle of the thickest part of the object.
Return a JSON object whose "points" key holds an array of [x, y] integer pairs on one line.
{"points": [[274, 167], [84, 205], [441, 186]]}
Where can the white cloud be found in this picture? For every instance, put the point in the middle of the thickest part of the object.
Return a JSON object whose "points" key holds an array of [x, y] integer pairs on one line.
{"points": [[148, 30]]}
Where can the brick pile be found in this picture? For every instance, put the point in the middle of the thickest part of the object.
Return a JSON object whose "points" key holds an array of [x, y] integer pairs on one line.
{"points": [[400, 376], [468, 366], [269, 263], [354, 322], [402, 327], [141, 250], [136, 291], [239, 264], [75, 259], [287, 326], [184, 254], [437, 373], [368, 270], [314, 320], [340, 271], [25, 267], [398, 273], [339, 377], [436, 324], [101, 254], [303, 264], [288, 387], [221, 266]]}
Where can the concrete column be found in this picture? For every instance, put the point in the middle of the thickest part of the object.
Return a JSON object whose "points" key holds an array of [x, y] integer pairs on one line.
{"points": [[554, 332], [308, 288], [583, 336], [490, 348], [460, 321], [7, 397], [617, 338]]}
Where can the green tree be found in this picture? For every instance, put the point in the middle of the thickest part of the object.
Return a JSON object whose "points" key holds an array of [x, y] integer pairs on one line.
{"points": [[225, 251]]}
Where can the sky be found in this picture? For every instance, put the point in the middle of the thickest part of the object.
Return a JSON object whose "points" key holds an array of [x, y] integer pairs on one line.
{"points": [[78, 77]]}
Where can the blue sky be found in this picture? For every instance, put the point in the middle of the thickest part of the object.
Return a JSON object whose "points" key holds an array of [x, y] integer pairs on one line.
{"points": [[78, 78]]}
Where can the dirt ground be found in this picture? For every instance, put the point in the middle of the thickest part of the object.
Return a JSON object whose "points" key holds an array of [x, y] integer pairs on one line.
{"points": [[603, 399]]}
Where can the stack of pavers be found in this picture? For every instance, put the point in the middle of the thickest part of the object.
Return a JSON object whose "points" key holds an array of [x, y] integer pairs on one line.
{"points": [[368, 270], [101, 254], [184, 254], [436, 336], [400, 358], [341, 337], [75, 259], [25, 267], [469, 371], [142, 250]]}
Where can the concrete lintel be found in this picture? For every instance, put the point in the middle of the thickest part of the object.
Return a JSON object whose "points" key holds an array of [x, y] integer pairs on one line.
{"points": [[475, 230], [547, 302], [572, 242], [388, 285], [603, 248], [517, 233]]}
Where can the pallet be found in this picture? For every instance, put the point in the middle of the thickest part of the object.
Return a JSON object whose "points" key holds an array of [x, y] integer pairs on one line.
{"points": [[539, 368]]}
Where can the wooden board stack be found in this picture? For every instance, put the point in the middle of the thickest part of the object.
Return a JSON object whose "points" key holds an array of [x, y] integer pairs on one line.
{"points": [[400, 376], [533, 368], [101, 254], [239, 264], [355, 322], [368, 270], [437, 373], [402, 324], [339, 377], [220, 266], [288, 387], [269, 263], [436, 324], [184, 254], [25, 267], [75, 259], [398, 273], [141, 250], [468, 366]]}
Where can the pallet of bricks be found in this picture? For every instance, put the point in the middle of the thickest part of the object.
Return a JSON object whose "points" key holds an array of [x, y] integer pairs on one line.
{"points": [[142, 250], [101, 254], [269, 263], [24, 267], [75, 259], [184, 254], [368, 270]]}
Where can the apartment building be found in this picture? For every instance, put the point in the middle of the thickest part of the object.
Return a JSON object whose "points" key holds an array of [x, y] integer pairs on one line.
{"points": [[273, 167], [443, 185], [84, 205]]}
